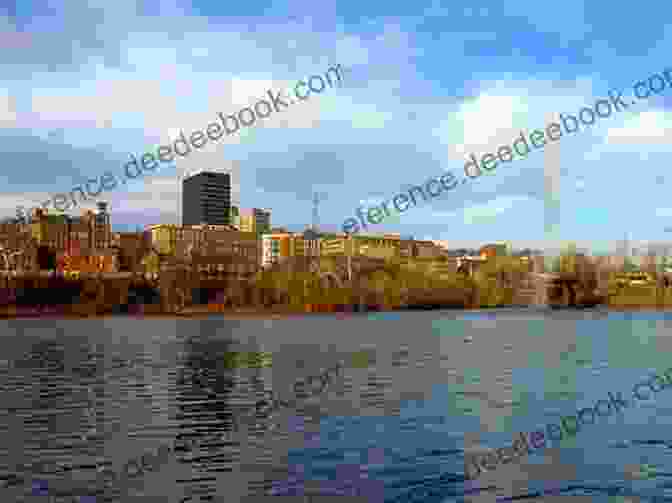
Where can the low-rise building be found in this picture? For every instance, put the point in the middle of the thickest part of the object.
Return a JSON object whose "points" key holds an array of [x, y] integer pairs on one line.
{"points": [[101, 261], [131, 247], [492, 250], [182, 241], [245, 245], [377, 246], [360, 245], [57, 230], [470, 265], [255, 220], [14, 236], [277, 247], [385, 246], [428, 250]]}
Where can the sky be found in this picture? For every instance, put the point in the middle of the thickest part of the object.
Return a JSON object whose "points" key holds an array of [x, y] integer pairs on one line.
{"points": [[87, 82]]}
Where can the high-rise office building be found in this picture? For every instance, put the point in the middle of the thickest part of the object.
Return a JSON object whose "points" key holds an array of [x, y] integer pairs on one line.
{"points": [[206, 198]]}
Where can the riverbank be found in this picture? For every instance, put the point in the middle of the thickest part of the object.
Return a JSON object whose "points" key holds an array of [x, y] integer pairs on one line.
{"points": [[273, 314], [282, 311], [66, 312]]}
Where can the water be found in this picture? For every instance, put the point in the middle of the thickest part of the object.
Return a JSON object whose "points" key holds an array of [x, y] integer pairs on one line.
{"points": [[81, 399]]}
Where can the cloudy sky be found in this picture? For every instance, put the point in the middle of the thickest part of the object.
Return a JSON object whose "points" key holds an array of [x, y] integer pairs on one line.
{"points": [[86, 82]]}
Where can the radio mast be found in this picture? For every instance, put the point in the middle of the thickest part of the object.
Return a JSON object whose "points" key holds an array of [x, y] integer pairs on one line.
{"points": [[316, 211]]}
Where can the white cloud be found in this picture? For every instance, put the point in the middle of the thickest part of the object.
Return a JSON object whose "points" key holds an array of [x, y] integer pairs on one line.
{"points": [[489, 116], [654, 127], [503, 109], [483, 123], [178, 99], [372, 201], [154, 193], [7, 110], [9, 202]]}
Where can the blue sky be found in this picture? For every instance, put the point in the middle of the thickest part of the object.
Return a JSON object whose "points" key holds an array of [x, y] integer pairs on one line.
{"points": [[86, 82]]}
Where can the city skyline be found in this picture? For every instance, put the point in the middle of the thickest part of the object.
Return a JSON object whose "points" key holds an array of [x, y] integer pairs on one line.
{"points": [[357, 144], [624, 246]]}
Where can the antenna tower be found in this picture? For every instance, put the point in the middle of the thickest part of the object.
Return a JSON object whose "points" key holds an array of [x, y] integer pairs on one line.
{"points": [[316, 211]]}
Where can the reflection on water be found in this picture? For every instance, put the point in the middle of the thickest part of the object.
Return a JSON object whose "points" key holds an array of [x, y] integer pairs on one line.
{"points": [[66, 406], [205, 418], [222, 409]]}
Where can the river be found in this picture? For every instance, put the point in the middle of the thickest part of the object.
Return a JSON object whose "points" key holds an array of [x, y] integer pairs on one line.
{"points": [[400, 397]]}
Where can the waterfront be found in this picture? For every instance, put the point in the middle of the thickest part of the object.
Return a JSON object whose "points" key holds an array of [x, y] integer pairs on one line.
{"points": [[391, 425]]}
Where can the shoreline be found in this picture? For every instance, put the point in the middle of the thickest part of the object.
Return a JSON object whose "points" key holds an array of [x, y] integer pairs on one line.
{"points": [[60, 312]]}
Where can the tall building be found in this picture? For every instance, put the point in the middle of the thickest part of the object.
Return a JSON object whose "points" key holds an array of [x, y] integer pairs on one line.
{"points": [[206, 199], [255, 220]]}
